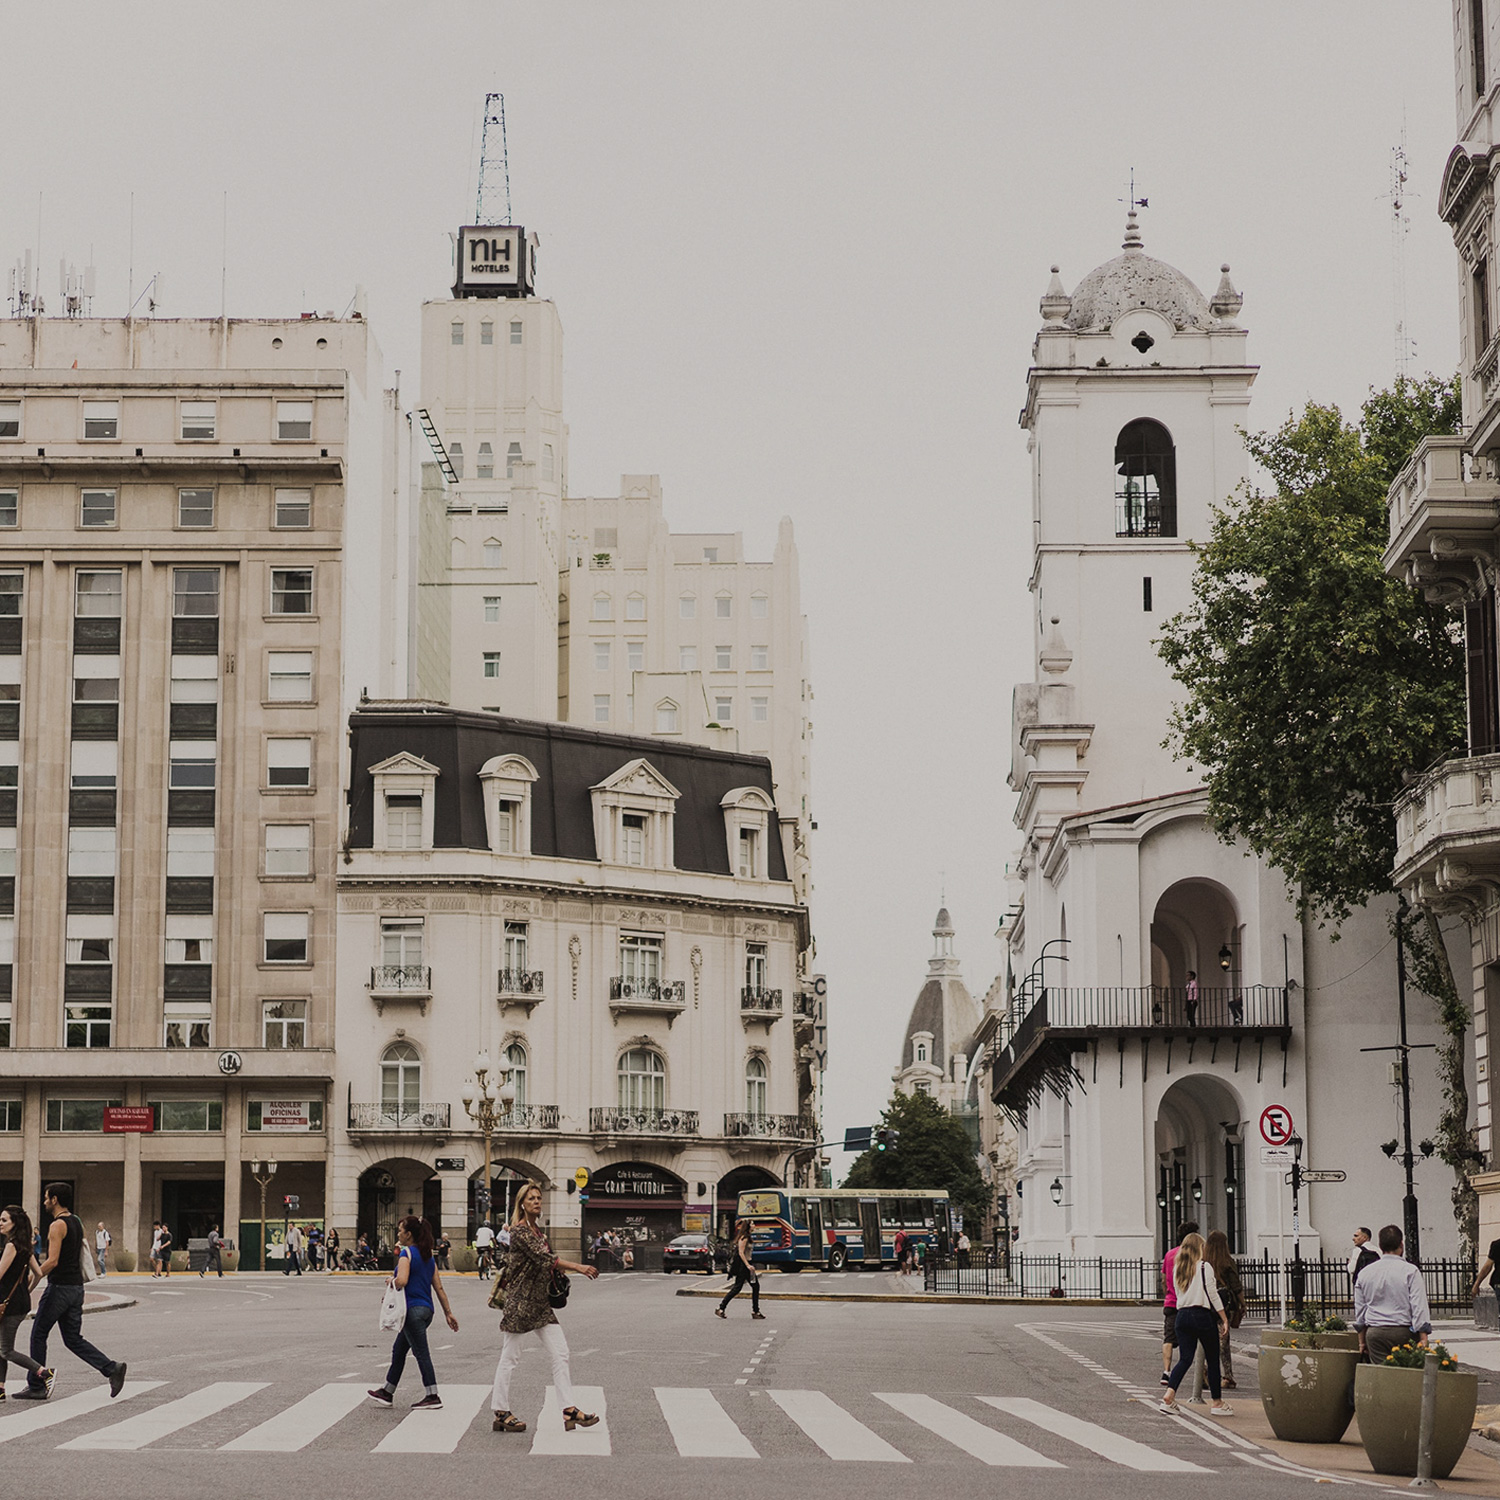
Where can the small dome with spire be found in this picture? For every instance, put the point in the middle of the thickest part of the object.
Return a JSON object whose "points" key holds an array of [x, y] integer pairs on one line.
{"points": [[1134, 280], [944, 922]]}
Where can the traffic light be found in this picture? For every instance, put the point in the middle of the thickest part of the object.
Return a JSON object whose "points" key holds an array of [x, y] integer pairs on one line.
{"points": [[886, 1140]]}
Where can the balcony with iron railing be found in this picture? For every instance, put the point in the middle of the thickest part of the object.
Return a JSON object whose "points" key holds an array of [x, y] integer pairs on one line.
{"points": [[1442, 512], [400, 1119], [655, 997], [1448, 831], [1035, 1053], [400, 982], [519, 987], [770, 1127], [615, 1120], [529, 1119], [760, 1004], [804, 1011]]}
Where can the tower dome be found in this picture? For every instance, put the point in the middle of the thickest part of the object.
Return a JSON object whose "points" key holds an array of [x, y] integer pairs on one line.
{"points": [[1133, 280]]}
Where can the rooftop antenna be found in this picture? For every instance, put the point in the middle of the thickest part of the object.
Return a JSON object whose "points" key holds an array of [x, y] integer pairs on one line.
{"points": [[1400, 223], [77, 289], [492, 201], [24, 295]]}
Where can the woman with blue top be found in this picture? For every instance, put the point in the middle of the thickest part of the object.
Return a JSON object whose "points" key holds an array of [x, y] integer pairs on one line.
{"points": [[418, 1276]]}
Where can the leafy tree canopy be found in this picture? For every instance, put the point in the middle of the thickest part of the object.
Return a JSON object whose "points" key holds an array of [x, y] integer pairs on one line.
{"points": [[933, 1151], [1314, 680]]}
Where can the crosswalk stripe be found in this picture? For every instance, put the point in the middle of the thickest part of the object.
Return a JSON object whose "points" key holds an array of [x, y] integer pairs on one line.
{"points": [[292, 1430], [582, 1442], [977, 1440], [436, 1431], [700, 1427], [832, 1428], [172, 1416], [49, 1413], [1100, 1440]]}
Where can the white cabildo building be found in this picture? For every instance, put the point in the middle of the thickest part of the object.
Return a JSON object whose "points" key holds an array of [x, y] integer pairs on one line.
{"points": [[1165, 991]]}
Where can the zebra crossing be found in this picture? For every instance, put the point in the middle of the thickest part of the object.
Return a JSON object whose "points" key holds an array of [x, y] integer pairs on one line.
{"points": [[996, 1431]]}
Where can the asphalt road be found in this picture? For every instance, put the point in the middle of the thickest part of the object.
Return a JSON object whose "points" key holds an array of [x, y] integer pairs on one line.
{"points": [[253, 1387]]}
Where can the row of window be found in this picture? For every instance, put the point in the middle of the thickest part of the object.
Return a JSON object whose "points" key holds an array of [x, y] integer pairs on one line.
{"points": [[94, 766], [171, 1116], [687, 607], [486, 332], [99, 509], [197, 421], [185, 1024], [666, 710], [484, 460], [687, 656]]}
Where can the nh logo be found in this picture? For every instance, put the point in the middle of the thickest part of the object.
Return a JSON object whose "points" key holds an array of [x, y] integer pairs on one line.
{"points": [[489, 251]]}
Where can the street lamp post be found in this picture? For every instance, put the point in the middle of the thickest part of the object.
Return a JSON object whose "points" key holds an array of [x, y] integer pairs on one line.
{"points": [[480, 1102], [264, 1179]]}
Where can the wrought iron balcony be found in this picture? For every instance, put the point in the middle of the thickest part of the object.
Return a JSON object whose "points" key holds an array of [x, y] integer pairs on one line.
{"points": [[400, 982], [804, 1010], [519, 987], [658, 997], [759, 1004], [413, 1119], [617, 1120], [526, 1118], [771, 1127]]}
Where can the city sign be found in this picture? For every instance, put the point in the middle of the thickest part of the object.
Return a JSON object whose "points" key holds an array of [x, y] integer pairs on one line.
{"points": [[450, 1164], [1276, 1156], [1275, 1124], [1308, 1175], [124, 1119], [494, 260]]}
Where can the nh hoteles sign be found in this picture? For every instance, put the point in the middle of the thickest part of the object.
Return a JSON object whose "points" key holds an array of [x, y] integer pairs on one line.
{"points": [[494, 260]]}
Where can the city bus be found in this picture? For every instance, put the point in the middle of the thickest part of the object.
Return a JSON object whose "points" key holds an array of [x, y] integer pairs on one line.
{"points": [[837, 1229]]}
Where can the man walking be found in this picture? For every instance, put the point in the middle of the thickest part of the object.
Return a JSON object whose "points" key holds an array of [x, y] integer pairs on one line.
{"points": [[963, 1251], [1390, 1302], [1362, 1255], [62, 1303], [1169, 1303], [215, 1245], [293, 1249], [102, 1242]]}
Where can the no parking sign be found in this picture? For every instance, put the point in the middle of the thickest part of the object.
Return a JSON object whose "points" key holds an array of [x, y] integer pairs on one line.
{"points": [[1275, 1124]]}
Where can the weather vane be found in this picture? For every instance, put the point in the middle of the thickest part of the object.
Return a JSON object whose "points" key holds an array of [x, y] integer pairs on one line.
{"points": [[1133, 202]]}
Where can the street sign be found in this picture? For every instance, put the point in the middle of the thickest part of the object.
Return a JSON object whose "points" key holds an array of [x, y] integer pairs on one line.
{"points": [[581, 1177], [450, 1164], [1275, 1124], [1308, 1175], [858, 1138], [1276, 1156]]}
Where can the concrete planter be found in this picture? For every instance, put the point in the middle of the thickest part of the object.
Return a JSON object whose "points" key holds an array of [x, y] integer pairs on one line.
{"points": [[1388, 1406], [1272, 1337], [1308, 1394]]}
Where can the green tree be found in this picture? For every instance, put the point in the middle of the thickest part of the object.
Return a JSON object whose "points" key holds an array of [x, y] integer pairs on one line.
{"points": [[1314, 682], [933, 1151]]}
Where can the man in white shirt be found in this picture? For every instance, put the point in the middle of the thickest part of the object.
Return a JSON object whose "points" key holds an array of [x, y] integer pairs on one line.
{"points": [[102, 1242], [484, 1243], [1362, 1255], [1390, 1302]]}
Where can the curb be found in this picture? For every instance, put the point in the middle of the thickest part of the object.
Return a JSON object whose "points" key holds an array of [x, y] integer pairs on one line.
{"points": [[926, 1299], [115, 1301]]}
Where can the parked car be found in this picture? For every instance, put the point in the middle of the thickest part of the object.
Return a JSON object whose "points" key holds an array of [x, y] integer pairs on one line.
{"points": [[689, 1252]]}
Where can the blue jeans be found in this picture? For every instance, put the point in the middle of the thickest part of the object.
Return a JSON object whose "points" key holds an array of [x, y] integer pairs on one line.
{"points": [[413, 1336], [62, 1307], [1197, 1325]]}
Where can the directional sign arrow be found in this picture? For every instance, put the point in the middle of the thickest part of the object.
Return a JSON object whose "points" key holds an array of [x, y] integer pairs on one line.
{"points": [[1311, 1176]]}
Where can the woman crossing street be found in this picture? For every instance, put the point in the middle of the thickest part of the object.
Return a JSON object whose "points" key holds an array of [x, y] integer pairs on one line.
{"points": [[418, 1276], [744, 1271]]}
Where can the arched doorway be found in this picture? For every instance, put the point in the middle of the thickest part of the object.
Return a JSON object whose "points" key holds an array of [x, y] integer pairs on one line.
{"points": [[640, 1202], [506, 1180], [389, 1191], [731, 1185], [1195, 955], [1200, 1160]]}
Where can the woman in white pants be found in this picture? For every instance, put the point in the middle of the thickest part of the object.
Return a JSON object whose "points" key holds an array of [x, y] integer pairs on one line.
{"points": [[528, 1278]]}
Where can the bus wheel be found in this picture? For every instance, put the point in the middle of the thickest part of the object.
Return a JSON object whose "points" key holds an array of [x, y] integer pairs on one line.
{"points": [[837, 1258]]}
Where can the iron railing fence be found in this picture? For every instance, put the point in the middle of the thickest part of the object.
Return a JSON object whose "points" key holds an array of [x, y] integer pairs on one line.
{"points": [[621, 1120], [402, 1117], [755, 998], [519, 981], [657, 991], [401, 977], [772, 1127]]}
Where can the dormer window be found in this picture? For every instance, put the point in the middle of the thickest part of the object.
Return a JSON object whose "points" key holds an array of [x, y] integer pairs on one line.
{"points": [[403, 822], [405, 802], [1145, 480], [921, 1052], [633, 839], [634, 812], [666, 717], [749, 861], [507, 781], [747, 831]]}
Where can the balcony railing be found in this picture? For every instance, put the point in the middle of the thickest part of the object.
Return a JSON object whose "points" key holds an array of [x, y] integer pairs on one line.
{"points": [[1448, 830], [770, 1127], [756, 1001], [415, 978], [805, 1006], [648, 996], [519, 982], [616, 1120], [527, 1117], [414, 1118]]}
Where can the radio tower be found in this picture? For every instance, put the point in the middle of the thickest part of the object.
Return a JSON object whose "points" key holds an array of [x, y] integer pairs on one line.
{"points": [[1399, 225], [492, 202]]}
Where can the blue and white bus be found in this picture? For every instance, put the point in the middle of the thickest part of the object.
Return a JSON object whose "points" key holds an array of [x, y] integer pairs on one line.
{"points": [[838, 1229]]}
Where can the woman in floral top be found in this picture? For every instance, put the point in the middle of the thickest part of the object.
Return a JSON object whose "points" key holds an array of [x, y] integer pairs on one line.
{"points": [[528, 1278]]}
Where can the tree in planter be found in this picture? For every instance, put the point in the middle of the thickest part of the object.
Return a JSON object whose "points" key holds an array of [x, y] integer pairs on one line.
{"points": [[1314, 682], [933, 1151]]}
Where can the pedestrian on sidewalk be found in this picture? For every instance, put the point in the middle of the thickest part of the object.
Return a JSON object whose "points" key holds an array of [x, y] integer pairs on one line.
{"points": [[1390, 1302], [744, 1271], [164, 1250], [1232, 1294], [155, 1248], [102, 1242], [899, 1249], [1169, 1301], [1362, 1255], [530, 1273], [62, 1303], [18, 1268], [1200, 1319], [417, 1274], [292, 1255], [215, 1246], [962, 1249]]}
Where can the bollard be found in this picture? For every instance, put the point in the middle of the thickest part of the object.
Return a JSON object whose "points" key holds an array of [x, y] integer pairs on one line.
{"points": [[1423, 1481]]}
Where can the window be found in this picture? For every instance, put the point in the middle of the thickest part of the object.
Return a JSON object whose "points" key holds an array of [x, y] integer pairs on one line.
{"points": [[549, 467], [493, 555], [293, 508], [456, 334], [284, 1024], [687, 607], [10, 1109], [95, 764], [635, 656], [921, 1052], [195, 592], [748, 864], [601, 708], [1476, 37], [101, 419], [486, 332], [294, 419], [687, 658], [601, 656], [505, 827], [173, 1115], [515, 1060], [486, 466], [1146, 595], [87, 1023], [194, 679], [515, 947], [491, 663], [81, 1116], [723, 607], [515, 331], [401, 943], [98, 508], [91, 851], [635, 606], [755, 964], [1481, 305], [512, 460], [288, 763], [666, 718], [723, 658], [199, 419], [400, 1081], [89, 950], [10, 419], [632, 839], [10, 507], [403, 822], [195, 507], [1146, 480], [8, 854], [604, 607], [641, 1078], [191, 766], [760, 658], [724, 710], [290, 676], [95, 689], [291, 591], [188, 949], [456, 457], [10, 594], [492, 609], [760, 607], [190, 852], [285, 937], [288, 849], [755, 1086], [710, 554]]}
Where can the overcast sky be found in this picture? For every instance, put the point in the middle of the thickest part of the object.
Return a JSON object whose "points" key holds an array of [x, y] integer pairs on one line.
{"points": [[797, 250]]}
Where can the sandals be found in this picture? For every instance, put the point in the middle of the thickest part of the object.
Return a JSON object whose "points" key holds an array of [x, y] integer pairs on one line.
{"points": [[506, 1421], [572, 1418]]}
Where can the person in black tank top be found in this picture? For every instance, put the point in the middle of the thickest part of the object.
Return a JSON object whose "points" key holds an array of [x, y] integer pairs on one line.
{"points": [[62, 1303], [17, 1262]]}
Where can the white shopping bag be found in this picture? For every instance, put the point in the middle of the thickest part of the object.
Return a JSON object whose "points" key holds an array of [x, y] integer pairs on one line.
{"points": [[392, 1307]]}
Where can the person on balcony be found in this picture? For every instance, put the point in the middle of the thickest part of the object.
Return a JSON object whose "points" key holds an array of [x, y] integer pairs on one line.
{"points": [[1191, 1002]]}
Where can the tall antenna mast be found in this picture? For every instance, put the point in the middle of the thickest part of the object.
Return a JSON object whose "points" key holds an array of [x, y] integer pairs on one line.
{"points": [[492, 202], [1400, 222]]}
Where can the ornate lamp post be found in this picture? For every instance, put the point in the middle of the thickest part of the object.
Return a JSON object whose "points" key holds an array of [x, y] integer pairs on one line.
{"points": [[264, 1179], [480, 1103]]}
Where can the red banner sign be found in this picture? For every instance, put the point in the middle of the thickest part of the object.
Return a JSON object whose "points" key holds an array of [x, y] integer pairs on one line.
{"points": [[120, 1119]]}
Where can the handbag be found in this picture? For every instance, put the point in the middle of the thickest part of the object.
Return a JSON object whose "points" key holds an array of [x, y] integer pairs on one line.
{"points": [[502, 1283], [86, 1267], [558, 1288], [393, 1307]]}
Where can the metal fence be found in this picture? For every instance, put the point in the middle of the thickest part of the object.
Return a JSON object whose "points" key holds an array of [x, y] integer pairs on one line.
{"points": [[1321, 1286]]}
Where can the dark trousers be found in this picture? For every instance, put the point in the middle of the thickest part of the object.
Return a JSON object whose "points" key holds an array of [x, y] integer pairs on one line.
{"points": [[62, 1307], [1382, 1338], [743, 1274], [214, 1263], [10, 1325], [413, 1337], [290, 1259], [1197, 1325]]}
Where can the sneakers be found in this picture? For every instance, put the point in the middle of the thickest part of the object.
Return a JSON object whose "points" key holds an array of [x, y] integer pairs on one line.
{"points": [[1167, 1406], [380, 1396], [1166, 1380], [116, 1373], [47, 1377], [761, 1316], [430, 1402], [1221, 1409], [29, 1394], [720, 1313]]}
